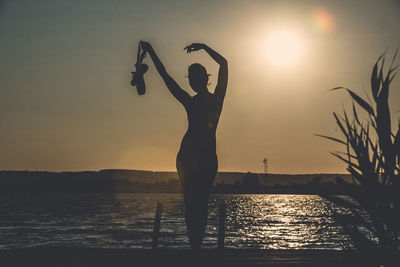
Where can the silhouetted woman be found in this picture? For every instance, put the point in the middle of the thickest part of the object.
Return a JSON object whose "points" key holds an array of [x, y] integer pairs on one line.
{"points": [[197, 161]]}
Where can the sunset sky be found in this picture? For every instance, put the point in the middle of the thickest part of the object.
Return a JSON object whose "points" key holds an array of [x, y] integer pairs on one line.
{"points": [[66, 102]]}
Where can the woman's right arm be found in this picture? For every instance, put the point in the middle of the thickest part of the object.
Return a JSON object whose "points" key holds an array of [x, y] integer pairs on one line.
{"points": [[181, 95]]}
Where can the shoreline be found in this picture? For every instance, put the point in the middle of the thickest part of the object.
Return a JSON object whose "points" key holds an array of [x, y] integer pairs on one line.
{"points": [[69, 256]]}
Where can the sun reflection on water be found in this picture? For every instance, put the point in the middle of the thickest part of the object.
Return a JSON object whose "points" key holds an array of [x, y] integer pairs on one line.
{"points": [[280, 221]]}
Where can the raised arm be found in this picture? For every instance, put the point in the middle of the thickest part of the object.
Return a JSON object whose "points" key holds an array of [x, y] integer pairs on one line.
{"points": [[181, 95], [222, 83]]}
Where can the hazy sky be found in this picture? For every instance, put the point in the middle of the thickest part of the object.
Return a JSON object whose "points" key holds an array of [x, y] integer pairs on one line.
{"points": [[66, 102]]}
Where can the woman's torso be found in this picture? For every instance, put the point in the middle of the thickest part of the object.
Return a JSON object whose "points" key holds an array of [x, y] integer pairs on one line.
{"points": [[203, 116]]}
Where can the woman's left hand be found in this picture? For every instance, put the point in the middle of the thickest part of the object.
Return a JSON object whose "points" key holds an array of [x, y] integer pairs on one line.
{"points": [[194, 47]]}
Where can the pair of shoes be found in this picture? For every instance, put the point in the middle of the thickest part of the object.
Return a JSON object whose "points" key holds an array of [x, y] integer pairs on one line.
{"points": [[137, 78], [141, 69]]}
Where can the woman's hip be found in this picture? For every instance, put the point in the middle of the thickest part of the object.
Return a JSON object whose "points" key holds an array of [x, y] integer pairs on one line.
{"points": [[197, 160]]}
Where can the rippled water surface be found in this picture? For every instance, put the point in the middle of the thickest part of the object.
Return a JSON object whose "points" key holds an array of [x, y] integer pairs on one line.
{"points": [[126, 221]]}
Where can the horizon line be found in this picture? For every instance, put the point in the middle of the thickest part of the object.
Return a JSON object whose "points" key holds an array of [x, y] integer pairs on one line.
{"points": [[119, 169]]}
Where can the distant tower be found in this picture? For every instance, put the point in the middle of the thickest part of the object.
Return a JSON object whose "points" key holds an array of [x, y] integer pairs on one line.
{"points": [[265, 161]]}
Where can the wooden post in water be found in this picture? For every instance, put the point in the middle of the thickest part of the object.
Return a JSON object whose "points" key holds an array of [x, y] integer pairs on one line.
{"points": [[157, 222], [221, 225]]}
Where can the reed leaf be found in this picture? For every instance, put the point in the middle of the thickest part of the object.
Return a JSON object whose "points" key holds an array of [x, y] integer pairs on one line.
{"points": [[358, 99], [346, 154], [348, 150], [394, 75], [345, 160], [392, 70], [375, 79], [352, 133], [340, 126], [331, 138], [384, 92], [395, 55], [355, 114]]}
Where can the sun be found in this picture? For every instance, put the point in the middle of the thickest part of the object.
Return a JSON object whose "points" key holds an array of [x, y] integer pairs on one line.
{"points": [[283, 48]]}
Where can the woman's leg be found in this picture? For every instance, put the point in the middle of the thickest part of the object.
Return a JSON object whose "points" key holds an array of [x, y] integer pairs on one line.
{"points": [[197, 184], [196, 210]]}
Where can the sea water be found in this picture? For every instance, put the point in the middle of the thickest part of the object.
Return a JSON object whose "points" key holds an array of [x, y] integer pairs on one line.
{"points": [[258, 221]]}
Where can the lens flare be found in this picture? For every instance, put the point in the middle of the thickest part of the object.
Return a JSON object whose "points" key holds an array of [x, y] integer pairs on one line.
{"points": [[323, 20]]}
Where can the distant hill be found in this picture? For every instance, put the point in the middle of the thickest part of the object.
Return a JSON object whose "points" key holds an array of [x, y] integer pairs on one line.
{"points": [[116, 180], [227, 177]]}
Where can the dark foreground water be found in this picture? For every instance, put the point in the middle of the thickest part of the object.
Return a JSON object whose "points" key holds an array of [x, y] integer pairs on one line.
{"points": [[126, 221]]}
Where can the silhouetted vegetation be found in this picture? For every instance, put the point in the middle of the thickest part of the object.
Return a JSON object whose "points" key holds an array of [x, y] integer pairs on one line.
{"points": [[250, 184], [372, 154]]}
